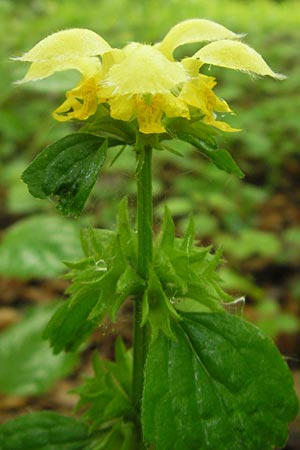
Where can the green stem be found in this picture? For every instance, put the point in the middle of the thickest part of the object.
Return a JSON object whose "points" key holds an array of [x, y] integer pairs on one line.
{"points": [[144, 229]]}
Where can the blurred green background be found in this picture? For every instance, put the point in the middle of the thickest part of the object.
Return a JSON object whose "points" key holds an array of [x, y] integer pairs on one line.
{"points": [[255, 220]]}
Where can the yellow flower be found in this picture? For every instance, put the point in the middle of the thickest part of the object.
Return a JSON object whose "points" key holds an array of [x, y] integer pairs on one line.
{"points": [[77, 49], [145, 82]]}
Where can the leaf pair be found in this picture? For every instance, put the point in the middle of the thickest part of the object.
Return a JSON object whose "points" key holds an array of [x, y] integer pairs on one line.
{"points": [[101, 282], [183, 278]]}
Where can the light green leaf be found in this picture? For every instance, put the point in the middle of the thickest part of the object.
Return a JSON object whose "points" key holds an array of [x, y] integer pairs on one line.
{"points": [[222, 384], [67, 169], [27, 364], [125, 235], [69, 326], [165, 240], [100, 284], [43, 431], [35, 247]]}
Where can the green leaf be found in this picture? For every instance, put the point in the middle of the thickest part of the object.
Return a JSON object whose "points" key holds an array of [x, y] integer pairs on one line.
{"points": [[165, 240], [106, 397], [67, 169], [121, 436], [35, 247], [43, 431], [221, 158], [117, 131], [100, 284], [224, 161], [69, 326], [125, 235], [27, 363], [157, 308], [222, 384]]}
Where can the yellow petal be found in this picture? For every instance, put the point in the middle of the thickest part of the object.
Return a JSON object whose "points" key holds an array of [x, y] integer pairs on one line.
{"points": [[64, 112], [235, 55], [87, 66], [81, 102], [110, 58], [191, 66], [149, 115], [220, 125], [194, 30], [122, 107], [175, 107], [143, 71], [73, 43]]}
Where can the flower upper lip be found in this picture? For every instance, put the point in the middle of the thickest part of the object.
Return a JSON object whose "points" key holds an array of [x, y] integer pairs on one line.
{"points": [[125, 76]]}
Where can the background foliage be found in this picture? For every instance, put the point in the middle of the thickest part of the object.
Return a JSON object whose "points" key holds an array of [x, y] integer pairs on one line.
{"points": [[256, 220]]}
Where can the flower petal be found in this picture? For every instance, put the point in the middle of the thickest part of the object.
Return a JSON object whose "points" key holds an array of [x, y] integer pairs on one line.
{"points": [[143, 71], [81, 102], [73, 43], [122, 107], [235, 55], [223, 126], [194, 30], [175, 107], [149, 115], [87, 66]]}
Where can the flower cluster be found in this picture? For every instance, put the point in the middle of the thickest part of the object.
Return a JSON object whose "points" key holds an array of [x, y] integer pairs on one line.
{"points": [[144, 82]]}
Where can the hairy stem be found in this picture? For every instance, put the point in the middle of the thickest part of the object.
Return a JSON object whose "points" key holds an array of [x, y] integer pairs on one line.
{"points": [[144, 228]]}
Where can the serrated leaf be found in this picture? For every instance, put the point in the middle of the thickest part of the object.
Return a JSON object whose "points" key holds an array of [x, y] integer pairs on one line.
{"points": [[69, 326], [222, 384], [125, 234], [106, 396], [157, 307], [35, 247], [67, 169], [165, 240], [221, 158], [43, 431], [100, 284], [224, 161], [189, 236], [121, 436], [27, 363]]}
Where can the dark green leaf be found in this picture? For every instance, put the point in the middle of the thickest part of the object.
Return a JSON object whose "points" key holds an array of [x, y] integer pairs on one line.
{"points": [[27, 363], [224, 161], [35, 247], [43, 431], [221, 158], [222, 384], [67, 169]]}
